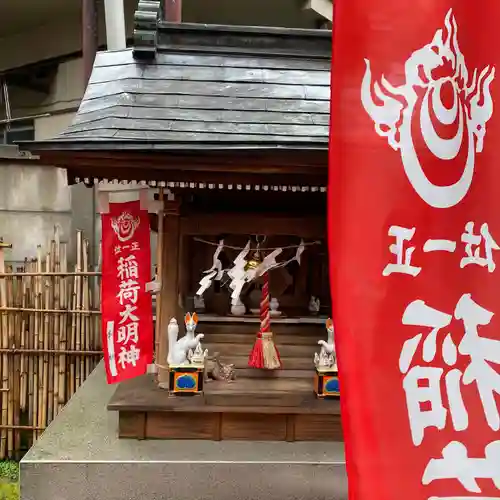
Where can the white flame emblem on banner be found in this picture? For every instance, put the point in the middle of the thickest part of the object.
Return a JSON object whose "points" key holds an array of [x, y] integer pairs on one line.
{"points": [[472, 108], [125, 225]]}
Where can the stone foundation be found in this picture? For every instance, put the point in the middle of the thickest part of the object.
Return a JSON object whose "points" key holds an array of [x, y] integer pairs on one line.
{"points": [[79, 457]]}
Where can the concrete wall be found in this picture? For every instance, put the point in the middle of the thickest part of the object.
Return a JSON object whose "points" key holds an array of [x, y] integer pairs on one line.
{"points": [[32, 200], [60, 103], [81, 198]]}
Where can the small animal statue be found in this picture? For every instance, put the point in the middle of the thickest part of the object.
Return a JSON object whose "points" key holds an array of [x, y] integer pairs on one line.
{"points": [[329, 345], [327, 357], [314, 305], [199, 303], [178, 348], [198, 356], [219, 371]]}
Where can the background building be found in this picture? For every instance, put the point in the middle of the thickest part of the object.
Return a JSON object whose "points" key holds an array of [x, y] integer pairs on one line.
{"points": [[42, 78]]}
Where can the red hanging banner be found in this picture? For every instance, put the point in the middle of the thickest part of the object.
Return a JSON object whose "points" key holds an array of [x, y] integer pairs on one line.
{"points": [[414, 235], [127, 315]]}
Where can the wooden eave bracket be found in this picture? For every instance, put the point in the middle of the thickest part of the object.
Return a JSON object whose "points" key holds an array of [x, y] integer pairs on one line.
{"points": [[4, 245], [146, 19], [324, 8], [153, 287]]}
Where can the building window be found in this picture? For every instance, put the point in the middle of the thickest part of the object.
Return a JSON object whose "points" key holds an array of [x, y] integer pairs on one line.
{"points": [[22, 130]]}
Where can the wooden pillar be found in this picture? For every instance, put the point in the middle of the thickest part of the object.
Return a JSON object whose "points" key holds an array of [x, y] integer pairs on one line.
{"points": [[89, 37], [169, 297], [159, 268], [173, 10]]}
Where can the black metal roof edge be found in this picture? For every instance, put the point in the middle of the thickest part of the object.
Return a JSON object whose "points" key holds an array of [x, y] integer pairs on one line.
{"points": [[242, 29], [177, 147], [151, 32], [243, 51], [146, 19], [225, 39]]}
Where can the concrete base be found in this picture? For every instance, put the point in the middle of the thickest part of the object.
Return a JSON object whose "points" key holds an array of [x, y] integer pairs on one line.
{"points": [[79, 457]]}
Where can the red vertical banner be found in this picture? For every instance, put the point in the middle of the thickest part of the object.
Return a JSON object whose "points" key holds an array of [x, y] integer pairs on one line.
{"points": [[127, 315], [414, 238]]}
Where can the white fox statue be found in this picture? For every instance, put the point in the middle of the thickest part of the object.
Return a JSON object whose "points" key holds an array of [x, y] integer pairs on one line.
{"points": [[327, 357], [178, 348], [329, 344]]}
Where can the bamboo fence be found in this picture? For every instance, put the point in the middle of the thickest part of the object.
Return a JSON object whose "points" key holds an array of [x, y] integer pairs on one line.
{"points": [[50, 339]]}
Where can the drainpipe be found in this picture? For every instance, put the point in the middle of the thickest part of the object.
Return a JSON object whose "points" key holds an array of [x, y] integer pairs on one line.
{"points": [[115, 24], [173, 10]]}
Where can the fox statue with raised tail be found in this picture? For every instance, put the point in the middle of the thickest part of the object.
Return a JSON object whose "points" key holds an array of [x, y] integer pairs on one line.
{"points": [[178, 348]]}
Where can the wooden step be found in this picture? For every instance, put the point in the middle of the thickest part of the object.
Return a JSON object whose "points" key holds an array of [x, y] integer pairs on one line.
{"points": [[313, 331], [284, 392], [249, 338], [286, 350], [142, 394], [273, 374], [289, 363]]}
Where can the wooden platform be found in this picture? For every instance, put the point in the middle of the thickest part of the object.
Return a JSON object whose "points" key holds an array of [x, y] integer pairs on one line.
{"points": [[278, 405], [274, 408]]}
